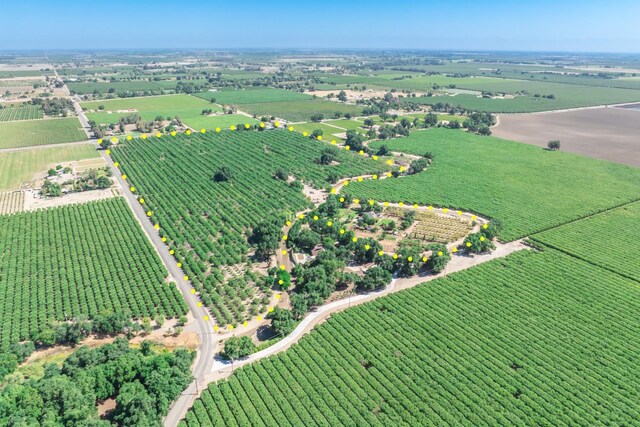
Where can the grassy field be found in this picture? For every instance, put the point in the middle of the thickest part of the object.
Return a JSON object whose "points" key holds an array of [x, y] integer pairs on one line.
{"points": [[26, 133], [149, 107], [528, 188], [223, 121], [252, 96], [310, 127], [609, 240], [347, 124], [44, 277], [20, 166], [104, 87], [27, 112], [524, 340], [300, 111]]}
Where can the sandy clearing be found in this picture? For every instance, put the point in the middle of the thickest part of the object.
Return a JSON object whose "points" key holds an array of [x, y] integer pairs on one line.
{"points": [[606, 133]]}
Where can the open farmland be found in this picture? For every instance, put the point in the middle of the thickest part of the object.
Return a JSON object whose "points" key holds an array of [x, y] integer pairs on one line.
{"points": [[221, 121], [602, 133], [327, 129], [27, 133], [301, 111], [205, 221], [27, 112], [21, 165], [103, 263], [84, 88], [439, 354], [609, 240], [252, 96], [528, 188]]}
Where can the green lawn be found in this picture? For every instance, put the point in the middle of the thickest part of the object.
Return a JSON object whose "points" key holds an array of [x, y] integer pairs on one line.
{"points": [[347, 124], [528, 188], [26, 133], [252, 96], [300, 111], [20, 166], [223, 121], [327, 130]]}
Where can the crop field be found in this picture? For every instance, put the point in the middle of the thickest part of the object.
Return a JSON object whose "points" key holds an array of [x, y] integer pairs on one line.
{"points": [[20, 166], [347, 124], [104, 262], [436, 228], [252, 96], [11, 202], [327, 130], [26, 133], [205, 221], [439, 354], [27, 112], [19, 83], [517, 183], [609, 240], [222, 121], [300, 111], [83, 88], [24, 73]]}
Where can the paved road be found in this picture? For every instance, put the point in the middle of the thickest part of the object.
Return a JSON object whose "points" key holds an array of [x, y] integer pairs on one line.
{"points": [[204, 358]]}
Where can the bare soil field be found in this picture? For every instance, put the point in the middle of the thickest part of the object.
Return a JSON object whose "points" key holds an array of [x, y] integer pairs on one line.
{"points": [[607, 133]]}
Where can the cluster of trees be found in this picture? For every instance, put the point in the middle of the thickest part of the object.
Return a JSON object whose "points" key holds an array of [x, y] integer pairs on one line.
{"points": [[16, 354], [238, 347], [479, 123], [54, 106], [482, 241], [553, 145], [142, 382]]}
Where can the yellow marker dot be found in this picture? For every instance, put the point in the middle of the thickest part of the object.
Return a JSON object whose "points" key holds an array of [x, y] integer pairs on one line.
{"points": [[305, 134], [424, 259], [333, 141], [284, 252], [375, 157], [124, 177], [193, 291], [232, 127], [459, 213], [141, 200], [315, 217], [282, 267], [473, 217], [386, 204], [346, 183], [401, 168], [346, 147], [355, 239], [329, 223], [247, 125], [114, 139], [290, 128], [361, 152], [179, 265], [401, 204], [259, 318], [367, 247], [203, 130], [100, 141], [389, 162], [278, 296], [410, 258], [188, 132], [280, 282], [277, 124], [108, 152], [218, 130], [485, 226], [380, 253], [199, 304], [216, 328], [288, 223], [262, 125], [164, 239], [342, 231], [359, 179], [158, 135], [270, 310], [149, 213], [482, 239], [389, 174], [230, 327], [454, 250], [371, 202], [174, 133], [132, 189], [301, 216], [356, 201], [171, 252], [206, 318], [116, 164], [430, 208], [468, 244], [445, 210], [144, 136], [285, 237], [245, 323], [439, 253], [129, 137], [319, 137], [375, 177], [394, 256], [333, 191], [415, 205], [157, 226], [341, 199]]}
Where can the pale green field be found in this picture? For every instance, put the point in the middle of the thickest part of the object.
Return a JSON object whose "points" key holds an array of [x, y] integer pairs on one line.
{"points": [[329, 131], [26, 133], [224, 121], [347, 124], [20, 166]]}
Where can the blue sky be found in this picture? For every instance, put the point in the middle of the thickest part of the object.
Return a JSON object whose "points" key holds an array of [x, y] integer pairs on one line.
{"points": [[601, 26]]}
